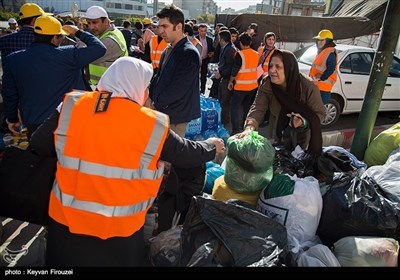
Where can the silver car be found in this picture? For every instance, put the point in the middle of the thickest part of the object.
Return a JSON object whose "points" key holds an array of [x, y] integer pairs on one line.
{"points": [[354, 66]]}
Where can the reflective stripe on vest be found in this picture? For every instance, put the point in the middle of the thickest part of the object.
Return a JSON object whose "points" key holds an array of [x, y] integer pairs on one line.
{"points": [[246, 79], [91, 196], [195, 41], [97, 70], [101, 209], [319, 66], [198, 45], [265, 64], [156, 50], [267, 59]]}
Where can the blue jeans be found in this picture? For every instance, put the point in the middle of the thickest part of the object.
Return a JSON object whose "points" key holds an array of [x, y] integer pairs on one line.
{"points": [[325, 96]]}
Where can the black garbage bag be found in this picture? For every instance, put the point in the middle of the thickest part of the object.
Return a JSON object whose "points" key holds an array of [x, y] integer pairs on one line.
{"points": [[334, 160], [285, 163], [357, 207], [216, 233], [165, 247]]}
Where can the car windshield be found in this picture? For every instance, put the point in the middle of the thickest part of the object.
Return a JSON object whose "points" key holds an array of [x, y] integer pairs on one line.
{"points": [[308, 56]]}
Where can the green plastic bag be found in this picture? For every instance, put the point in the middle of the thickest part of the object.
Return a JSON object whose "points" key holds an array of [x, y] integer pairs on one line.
{"points": [[249, 163], [253, 152], [383, 144]]}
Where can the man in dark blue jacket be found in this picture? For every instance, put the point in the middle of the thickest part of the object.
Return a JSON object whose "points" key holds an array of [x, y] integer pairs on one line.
{"points": [[36, 79], [174, 89], [22, 39], [225, 66]]}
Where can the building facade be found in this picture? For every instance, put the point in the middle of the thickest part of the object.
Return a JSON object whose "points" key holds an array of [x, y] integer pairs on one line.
{"points": [[115, 8], [198, 7]]}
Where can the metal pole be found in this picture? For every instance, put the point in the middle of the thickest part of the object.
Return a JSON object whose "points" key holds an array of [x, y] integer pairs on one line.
{"points": [[155, 7], [377, 80]]}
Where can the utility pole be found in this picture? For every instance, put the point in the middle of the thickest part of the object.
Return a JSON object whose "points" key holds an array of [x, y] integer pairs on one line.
{"points": [[155, 7], [377, 80]]}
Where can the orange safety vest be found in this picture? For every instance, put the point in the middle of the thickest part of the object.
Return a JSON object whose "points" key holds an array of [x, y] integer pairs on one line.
{"points": [[108, 172], [246, 79], [267, 59], [156, 50], [196, 42], [319, 66]]}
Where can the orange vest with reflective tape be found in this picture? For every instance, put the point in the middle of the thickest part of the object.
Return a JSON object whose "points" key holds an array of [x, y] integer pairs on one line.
{"points": [[199, 46], [265, 64], [246, 79], [108, 170], [156, 50], [319, 66]]}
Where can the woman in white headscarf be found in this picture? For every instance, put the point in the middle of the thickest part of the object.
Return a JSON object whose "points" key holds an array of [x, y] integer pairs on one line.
{"points": [[129, 78], [109, 169]]}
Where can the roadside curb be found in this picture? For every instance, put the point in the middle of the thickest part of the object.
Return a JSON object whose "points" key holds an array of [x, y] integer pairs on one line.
{"points": [[344, 138]]}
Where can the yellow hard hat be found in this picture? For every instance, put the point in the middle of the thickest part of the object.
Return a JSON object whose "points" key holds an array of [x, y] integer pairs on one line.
{"points": [[48, 25], [324, 34], [147, 21], [31, 10]]}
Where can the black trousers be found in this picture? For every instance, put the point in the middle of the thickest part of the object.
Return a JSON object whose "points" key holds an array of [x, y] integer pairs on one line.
{"points": [[214, 88], [31, 128], [179, 188], [203, 74], [66, 249]]}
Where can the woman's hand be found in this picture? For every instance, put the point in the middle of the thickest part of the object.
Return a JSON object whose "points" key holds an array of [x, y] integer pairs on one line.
{"points": [[296, 120], [246, 131]]}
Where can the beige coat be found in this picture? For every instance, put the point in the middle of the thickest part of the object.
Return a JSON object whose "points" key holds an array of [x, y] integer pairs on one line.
{"points": [[265, 100]]}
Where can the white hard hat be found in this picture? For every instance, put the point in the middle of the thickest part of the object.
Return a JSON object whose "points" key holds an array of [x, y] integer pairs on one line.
{"points": [[95, 12], [12, 21]]}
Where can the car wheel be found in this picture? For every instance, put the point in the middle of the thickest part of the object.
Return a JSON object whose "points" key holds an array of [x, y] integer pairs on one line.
{"points": [[332, 112]]}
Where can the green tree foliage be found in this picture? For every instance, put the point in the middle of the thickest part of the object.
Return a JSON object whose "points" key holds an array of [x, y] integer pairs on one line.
{"points": [[206, 18], [5, 15], [119, 21]]}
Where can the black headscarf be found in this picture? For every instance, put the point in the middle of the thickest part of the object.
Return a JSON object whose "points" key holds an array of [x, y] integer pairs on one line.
{"points": [[329, 43], [289, 100]]}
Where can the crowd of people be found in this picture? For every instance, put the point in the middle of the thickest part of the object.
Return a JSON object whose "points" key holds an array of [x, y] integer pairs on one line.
{"points": [[71, 83]]}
